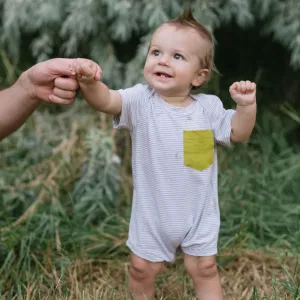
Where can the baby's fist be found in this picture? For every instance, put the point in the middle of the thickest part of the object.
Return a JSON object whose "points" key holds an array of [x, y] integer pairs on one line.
{"points": [[85, 70], [243, 92]]}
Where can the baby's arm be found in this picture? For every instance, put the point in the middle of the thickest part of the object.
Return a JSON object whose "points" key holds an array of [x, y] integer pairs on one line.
{"points": [[243, 121], [96, 93]]}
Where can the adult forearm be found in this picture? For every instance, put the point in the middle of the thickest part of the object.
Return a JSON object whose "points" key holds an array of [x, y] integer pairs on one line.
{"points": [[16, 105], [243, 122]]}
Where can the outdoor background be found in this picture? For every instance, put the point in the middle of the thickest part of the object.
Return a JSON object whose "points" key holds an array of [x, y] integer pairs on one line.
{"points": [[65, 176]]}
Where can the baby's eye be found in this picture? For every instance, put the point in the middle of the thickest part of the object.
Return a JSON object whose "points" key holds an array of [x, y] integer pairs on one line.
{"points": [[155, 52], [178, 56]]}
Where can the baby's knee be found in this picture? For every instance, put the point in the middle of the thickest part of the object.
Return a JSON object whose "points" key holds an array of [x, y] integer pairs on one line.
{"points": [[138, 269], [141, 269], [208, 268], [202, 267]]}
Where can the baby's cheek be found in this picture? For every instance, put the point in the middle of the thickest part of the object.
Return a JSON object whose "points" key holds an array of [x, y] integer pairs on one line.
{"points": [[147, 71]]}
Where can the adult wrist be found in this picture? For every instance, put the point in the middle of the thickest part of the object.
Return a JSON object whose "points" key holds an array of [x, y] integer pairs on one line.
{"points": [[26, 87]]}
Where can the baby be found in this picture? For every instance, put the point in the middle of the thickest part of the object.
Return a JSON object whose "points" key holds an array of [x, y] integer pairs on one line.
{"points": [[174, 154]]}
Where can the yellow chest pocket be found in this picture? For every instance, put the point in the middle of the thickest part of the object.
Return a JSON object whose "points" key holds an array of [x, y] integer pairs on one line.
{"points": [[198, 147]]}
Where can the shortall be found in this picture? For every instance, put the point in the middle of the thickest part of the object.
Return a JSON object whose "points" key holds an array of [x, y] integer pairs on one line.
{"points": [[174, 168]]}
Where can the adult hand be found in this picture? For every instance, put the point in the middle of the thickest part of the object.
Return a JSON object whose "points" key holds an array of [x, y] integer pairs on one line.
{"points": [[51, 81]]}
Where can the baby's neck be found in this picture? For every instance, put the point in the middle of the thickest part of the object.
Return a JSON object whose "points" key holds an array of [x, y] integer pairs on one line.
{"points": [[181, 101]]}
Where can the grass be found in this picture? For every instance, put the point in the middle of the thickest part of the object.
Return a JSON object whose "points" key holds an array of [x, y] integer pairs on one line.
{"points": [[65, 206], [250, 275]]}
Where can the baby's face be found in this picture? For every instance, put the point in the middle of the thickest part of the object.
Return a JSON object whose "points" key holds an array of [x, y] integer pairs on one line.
{"points": [[173, 62]]}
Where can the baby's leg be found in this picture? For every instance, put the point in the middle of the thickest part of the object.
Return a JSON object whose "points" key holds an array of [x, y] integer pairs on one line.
{"points": [[204, 273], [142, 275]]}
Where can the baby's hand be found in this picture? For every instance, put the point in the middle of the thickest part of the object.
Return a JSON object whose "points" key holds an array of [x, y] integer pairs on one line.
{"points": [[243, 92], [85, 70]]}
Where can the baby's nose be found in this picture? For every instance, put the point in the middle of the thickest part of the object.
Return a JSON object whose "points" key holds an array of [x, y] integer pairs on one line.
{"points": [[164, 59]]}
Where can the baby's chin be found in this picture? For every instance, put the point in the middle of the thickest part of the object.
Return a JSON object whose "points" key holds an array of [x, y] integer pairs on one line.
{"points": [[167, 92], [160, 90]]}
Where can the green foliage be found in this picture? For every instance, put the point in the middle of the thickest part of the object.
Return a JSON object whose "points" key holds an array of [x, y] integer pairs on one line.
{"points": [[258, 187], [255, 40], [73, 183], [99, 29], [96, 193], [284, 24], [60, 179]]}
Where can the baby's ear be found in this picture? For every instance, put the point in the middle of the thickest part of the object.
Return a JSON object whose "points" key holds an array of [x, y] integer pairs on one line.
{"points": [[200, 77]]}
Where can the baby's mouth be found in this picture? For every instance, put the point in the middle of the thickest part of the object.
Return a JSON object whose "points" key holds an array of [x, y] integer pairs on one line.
{"points": [[162, 75]]}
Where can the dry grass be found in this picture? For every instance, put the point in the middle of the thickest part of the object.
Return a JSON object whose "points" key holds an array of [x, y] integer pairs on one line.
{"points": [[47, 223], [99, 279], [257, 269]]}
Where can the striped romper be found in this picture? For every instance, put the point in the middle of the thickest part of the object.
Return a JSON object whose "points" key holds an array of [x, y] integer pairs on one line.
{"points": [[174, 166]]}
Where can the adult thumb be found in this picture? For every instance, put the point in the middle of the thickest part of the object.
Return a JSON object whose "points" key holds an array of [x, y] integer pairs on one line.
{"points": [[60, 66]]}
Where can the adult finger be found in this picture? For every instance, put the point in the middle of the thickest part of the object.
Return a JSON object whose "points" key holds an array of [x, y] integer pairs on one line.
{"points": [[64, 94], [66, 83], [57, 100], [60, 66]]}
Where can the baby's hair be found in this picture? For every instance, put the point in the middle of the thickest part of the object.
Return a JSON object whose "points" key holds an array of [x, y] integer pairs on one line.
{"points": [[186, 19]]}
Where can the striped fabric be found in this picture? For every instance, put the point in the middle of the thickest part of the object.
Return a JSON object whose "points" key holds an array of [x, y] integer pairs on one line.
{"points": [[174, 165]]}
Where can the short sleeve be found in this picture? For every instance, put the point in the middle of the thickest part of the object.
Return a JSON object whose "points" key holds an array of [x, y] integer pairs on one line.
{"points": [[132, 99], [219, 117]]}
